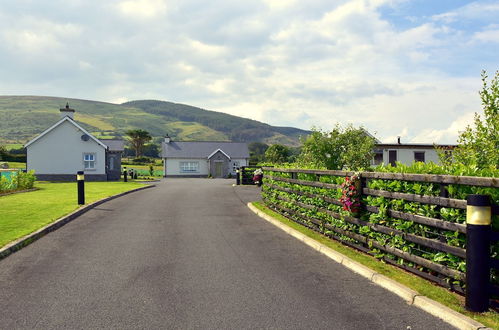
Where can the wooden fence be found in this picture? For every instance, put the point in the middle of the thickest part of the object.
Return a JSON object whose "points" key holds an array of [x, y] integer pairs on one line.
{"points": [[245, 175], [414, 221]]}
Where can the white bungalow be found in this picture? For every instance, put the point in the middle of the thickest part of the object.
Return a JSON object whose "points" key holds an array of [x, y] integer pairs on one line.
{"points": [[65, 148], [407, 153], [202, 159]]}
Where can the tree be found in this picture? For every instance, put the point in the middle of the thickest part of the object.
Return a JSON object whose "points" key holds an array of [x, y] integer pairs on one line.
{"points": [[277, 154], [478, 146], [342, 148], [151, 150], [137, 139], [257, 152], [3, 152]]}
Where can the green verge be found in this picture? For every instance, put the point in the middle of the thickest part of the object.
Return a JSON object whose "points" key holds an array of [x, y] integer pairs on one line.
{"points": [[16, 165], [420, 285], [24, 213]]}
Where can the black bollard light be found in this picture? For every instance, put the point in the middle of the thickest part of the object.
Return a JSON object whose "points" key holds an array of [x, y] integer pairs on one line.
{"points": [[125, 173], [478, 226], [238, 178], [80, 179]]}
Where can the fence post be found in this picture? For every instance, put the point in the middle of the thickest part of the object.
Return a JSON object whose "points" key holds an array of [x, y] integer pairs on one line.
{"points": [[80, 178], [478, 227]]}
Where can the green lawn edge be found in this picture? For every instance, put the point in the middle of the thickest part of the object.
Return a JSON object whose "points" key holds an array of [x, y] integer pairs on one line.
{"points": [[418, 284]]}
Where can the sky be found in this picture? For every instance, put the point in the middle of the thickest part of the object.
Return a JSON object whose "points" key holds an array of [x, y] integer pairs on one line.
{"points": [[409, 68]]}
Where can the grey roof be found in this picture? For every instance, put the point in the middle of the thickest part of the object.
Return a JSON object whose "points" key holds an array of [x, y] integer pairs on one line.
{"points": [[203, 149], [413, 145], [114, 144]]}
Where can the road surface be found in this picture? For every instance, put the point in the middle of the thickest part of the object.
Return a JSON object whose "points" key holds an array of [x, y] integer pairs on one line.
{"points": [[188, 254]]}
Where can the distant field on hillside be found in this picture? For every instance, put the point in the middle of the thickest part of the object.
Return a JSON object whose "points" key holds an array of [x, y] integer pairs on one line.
{"points": [[24, 117]]}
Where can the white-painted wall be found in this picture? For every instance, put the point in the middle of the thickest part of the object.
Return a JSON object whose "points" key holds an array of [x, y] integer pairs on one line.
{"points": [[173, 166], [242, 162], [61, 150], [406, 156]]}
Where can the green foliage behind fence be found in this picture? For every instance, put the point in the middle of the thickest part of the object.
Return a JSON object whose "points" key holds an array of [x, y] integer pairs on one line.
{"points": [[416, 222]]}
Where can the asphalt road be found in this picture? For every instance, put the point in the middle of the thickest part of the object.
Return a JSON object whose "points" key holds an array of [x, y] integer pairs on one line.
{"points": [[188, 254]]}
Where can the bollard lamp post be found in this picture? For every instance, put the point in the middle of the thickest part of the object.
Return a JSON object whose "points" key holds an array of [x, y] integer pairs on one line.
{"points": [[478, 227], [80, 179], [125, 174]]}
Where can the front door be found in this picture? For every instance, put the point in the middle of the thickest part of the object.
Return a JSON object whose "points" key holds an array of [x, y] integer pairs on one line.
{"points": [[218, 169]]}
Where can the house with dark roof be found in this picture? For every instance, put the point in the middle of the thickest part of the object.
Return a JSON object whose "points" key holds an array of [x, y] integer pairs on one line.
{"points": [[65, 148], [203, 159], [408, 153]]}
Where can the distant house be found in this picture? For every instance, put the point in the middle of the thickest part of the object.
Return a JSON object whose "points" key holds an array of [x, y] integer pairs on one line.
{"points": [[407, 153], [66, 148], [202, 159]]}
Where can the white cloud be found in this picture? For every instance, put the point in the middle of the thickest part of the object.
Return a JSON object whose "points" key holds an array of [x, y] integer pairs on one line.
{"points": [[292, 63], [476, 10], [448, 134], [143, 9], [489, 35]]}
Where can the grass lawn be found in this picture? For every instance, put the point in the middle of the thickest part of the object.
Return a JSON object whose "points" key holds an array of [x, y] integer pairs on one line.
{"points": [[143, 167], [24, 213], [424, 287], [143, 170], [10, 146], [16, 165]]}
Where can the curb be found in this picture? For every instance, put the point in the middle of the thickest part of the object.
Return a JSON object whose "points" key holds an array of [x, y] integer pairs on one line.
{"points": [[30, 238], [432, 307]]}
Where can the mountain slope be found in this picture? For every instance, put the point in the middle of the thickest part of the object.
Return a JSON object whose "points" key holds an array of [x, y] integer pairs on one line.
{"points": [[23, 117]]}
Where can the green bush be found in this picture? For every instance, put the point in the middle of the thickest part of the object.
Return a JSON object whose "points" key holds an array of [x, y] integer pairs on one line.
{"points": [[18, 181]]}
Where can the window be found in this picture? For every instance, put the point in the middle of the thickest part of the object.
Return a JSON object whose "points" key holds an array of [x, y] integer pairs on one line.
{"points": [[392, 157], [235, 165], [89, 161], [419, 156], [189, 167], [378, 157]]}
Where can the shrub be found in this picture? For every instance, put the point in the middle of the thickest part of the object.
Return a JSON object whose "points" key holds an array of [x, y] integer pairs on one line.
{"points": [[18, 181]]}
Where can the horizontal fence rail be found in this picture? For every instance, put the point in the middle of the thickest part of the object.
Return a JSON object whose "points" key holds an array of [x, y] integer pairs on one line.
{"points": [[414, 221]]}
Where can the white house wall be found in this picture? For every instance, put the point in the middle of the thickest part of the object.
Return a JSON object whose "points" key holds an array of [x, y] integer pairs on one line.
{"points": [[61, 151], [173, 166], [406, 156], [242, 162]]}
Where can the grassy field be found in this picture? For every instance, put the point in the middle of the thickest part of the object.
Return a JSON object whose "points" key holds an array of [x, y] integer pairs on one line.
{"points": [[424, 287], [11, 146], [24, 213], [17, 165]]}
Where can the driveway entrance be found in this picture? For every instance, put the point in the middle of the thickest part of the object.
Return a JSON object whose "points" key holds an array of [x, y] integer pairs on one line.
{"points": [[188, 254]]}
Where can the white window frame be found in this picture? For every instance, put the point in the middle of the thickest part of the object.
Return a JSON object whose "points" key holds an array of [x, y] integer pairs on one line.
{"points": [[189, 167], [90, 159], [235, 165]]}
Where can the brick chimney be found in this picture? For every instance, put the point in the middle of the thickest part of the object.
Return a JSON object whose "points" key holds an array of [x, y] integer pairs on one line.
{"points": [[67, 111]]}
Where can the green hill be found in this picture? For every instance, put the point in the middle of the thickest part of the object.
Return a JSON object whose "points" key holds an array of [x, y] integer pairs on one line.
{"points": [[23, 117]]}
